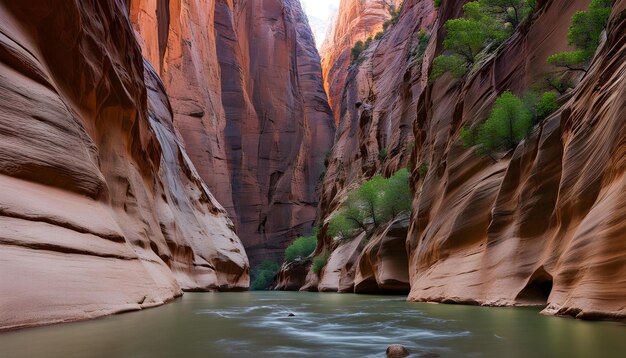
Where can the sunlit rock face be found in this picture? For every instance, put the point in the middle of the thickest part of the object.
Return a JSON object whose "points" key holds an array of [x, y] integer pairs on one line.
{"points": [[356, 20], [101, 209], [244, 79], [542, 224]]}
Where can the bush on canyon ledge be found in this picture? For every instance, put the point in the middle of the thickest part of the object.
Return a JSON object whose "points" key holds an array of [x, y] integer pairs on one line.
{"points": [[301, 247], [375, 202], [485, 24], [584, 35], [319, 262], [510, 121], [264, 274], [356, 50]]}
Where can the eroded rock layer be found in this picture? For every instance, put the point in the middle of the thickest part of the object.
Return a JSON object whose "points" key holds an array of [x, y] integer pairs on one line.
{"points": [[542, 224], [248, 100], [101, 210]]}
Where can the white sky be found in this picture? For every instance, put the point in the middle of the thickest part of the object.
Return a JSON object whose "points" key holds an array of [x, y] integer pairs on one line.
{"points": [[320, 14]]}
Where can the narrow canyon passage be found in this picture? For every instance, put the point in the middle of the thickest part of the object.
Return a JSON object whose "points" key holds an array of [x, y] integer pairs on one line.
{"points": [[382, 160]]}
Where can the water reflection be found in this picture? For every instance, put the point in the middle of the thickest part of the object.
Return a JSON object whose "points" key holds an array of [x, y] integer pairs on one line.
{"points": [[325, 325]]}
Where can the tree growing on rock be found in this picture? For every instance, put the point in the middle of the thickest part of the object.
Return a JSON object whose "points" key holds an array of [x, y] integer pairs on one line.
{"points": [[509, 122], [485, 24], [301, 247], [375, 202], [264, 274], [584, 35]]}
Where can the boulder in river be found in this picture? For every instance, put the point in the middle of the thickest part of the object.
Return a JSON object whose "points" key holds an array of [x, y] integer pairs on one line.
{"points": [[397, 351]]}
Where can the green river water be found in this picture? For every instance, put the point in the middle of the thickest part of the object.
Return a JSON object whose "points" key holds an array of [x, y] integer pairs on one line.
{"points": [[257, 324]]}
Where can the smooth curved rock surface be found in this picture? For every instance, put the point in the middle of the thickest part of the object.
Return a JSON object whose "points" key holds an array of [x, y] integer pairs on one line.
{"points": [[552, 210], [383, 264], [101, 210], [291, 276]]}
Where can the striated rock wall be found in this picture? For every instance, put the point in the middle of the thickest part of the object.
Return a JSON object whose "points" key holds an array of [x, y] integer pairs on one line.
{"points": [[542, 224], [377, 111], [248, 100], [356, 20], [101, 210]]}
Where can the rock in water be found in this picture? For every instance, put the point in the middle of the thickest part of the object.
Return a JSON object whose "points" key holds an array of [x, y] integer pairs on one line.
{"points": [[397, 351]]}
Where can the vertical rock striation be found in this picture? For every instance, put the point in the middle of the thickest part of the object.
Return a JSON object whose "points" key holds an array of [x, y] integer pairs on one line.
{"points": [[248, 100], [356, 21], [540, 225], [543, 223], [101, 210]]}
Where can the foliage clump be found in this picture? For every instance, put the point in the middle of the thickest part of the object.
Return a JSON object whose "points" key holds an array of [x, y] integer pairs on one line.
{"points": [[382, 155], [375, 202], [418, 50], [356, 51], [301, 247], [546, 105], [319, 262], [510, 121], [484, 25], [263, 275], [584, 34]]}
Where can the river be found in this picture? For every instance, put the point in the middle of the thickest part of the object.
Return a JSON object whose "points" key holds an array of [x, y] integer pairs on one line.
{"points": [[258, 324]]}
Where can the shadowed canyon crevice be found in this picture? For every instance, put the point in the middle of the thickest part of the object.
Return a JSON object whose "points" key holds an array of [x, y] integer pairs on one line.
{"points": [[245, 82], [151, 147]]}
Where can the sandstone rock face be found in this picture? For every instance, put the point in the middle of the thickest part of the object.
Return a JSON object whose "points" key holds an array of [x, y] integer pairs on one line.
{"points": [[356, 20], [248, 100], [101, 210], [383, 264], [377, 111], [543, 224], [338, 274], [292, 275]]}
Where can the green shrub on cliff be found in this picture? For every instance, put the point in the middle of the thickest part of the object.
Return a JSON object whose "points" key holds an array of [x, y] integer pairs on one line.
{"points": [[375, 202], [263, 275], [319, 262], [301, 247], [356, 50], [509, 122], [485, 24], [584, 35]]}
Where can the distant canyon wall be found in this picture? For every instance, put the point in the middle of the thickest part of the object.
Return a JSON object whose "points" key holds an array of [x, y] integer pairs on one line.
{"points": [[244, 79]]}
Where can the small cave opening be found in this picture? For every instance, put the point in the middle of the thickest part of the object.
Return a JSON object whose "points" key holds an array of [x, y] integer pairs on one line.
{"points": [[537, 289]]}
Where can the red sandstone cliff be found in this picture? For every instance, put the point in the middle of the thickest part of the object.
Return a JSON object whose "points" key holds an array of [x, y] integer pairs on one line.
{"points": [[356, 20], [101, 209], [541, 224], [244, 79]]}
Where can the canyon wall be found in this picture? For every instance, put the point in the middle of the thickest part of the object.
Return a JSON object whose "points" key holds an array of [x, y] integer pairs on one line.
{"points": [[356, 21], [244, 78], [540, 225], [101, 208]]}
